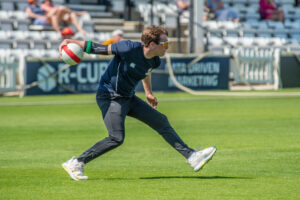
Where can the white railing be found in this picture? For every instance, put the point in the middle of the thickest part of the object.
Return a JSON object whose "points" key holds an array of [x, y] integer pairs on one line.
{"points": [[257, 66], [8, 73]]}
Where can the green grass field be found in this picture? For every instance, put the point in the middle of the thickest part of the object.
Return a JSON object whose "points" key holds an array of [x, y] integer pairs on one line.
{"points": [[258, 157]]}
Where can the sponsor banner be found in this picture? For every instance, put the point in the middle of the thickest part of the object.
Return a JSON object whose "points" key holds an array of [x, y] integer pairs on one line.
{"points": [[81, 78], [209, 73]]}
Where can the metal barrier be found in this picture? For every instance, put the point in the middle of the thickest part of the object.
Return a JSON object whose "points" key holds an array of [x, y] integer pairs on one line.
{"points": [[8, 73], [257, 66]]}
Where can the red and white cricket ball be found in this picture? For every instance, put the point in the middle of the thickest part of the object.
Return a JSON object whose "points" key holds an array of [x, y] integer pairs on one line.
{"points": [[72, 54]]}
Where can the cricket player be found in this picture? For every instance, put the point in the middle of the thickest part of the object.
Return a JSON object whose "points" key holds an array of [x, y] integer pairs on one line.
{"points": [[132, 62]]}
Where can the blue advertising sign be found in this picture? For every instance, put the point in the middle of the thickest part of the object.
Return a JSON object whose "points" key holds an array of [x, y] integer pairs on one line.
{"points": [[208, 74], [81, 78]]}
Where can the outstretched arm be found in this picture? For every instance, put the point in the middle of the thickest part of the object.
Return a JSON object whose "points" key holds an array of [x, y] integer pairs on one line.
{"points": [[31, 14], [93, 48], [148, 91]]}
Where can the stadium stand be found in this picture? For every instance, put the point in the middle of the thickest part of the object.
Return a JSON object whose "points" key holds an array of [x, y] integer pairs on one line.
{"points": [[7, 5], [7, 24], [251, 32], [6, 44], [220, 36], [18, 36]]}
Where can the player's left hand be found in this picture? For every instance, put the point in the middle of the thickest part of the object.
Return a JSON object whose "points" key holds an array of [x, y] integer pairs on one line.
{"points": [[152, 100]]}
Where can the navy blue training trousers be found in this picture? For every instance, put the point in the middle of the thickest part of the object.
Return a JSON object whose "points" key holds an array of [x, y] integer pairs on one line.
{"points": [[114, 112]]}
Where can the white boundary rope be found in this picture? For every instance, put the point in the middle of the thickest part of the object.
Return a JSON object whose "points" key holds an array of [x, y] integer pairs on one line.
{"points": [[54, 76]]}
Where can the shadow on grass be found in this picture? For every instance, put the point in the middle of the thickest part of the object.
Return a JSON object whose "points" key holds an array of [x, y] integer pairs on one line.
{"points": [[195, 177], [111, 179], [171, 177]]}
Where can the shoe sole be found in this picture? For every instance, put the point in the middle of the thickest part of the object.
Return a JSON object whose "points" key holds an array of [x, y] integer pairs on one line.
{"points": [[204, 162], [69, 172]]}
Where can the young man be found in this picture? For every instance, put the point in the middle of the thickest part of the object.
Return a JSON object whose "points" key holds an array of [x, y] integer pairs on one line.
{"points": [[133, 61]]}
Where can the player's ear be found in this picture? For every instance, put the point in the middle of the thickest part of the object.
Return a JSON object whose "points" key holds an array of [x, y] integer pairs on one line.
{"points": [[151, 44]]}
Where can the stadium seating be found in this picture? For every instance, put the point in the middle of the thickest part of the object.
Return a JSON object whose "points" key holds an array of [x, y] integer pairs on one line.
{"points": [[7, 24], [7, 5], [18, 36], [39, 44], [6, 44], [17, 33], [251, 31]]}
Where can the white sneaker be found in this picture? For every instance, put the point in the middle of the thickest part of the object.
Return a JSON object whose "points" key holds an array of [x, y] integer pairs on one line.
{"points": [[200, 157], [74, 169]]}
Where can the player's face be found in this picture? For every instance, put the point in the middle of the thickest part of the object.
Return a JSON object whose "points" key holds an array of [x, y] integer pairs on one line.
{"points": [[162, 47]]}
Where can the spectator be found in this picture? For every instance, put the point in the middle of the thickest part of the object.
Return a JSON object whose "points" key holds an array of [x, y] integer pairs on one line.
{"points": [[222, 14], [36, 14], [49, 6], [53, 17], [117, 36], [182, 5], [63, 15], [269, 11]]}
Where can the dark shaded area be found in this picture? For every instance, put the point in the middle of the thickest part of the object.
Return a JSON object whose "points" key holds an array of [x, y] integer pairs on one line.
{"points": [[195, 177]]}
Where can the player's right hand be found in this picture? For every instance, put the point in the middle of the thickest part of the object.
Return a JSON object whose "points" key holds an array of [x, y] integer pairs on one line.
{"points": [[152, 100]]}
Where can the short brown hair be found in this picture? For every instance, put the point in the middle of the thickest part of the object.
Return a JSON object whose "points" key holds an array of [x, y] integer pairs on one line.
{"points": [[152, 34]]}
